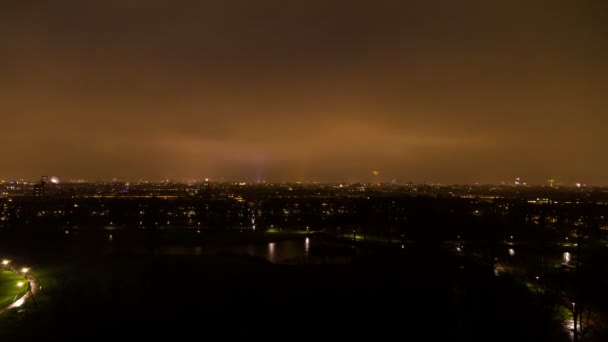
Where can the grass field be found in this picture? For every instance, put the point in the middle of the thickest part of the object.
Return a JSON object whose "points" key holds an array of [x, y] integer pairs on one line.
{"points": [[9, 291]]}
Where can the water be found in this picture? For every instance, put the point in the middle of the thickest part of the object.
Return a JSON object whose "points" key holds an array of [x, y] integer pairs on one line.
{"points": [[299, 250], [544, 259], [275, 252]]}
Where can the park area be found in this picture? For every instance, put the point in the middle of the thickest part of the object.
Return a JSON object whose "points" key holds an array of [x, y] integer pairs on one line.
{"points": [[12, 286]]}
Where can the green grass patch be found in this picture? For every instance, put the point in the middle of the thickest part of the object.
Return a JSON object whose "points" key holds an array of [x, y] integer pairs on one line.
{"points": [[370, 238], [562, 313], [284, 231], [9, 291]]}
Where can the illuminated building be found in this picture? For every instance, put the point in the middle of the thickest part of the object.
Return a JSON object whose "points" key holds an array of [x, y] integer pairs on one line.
{"points": [[38, 190]]}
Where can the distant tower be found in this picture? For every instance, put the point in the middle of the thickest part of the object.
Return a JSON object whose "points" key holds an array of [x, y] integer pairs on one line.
{"points": [[39, 188], [376, 173], [207, 187]]}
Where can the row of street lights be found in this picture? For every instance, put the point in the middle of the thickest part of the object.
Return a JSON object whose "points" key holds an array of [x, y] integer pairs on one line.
{"points": [[6, 262], [24, 271]]}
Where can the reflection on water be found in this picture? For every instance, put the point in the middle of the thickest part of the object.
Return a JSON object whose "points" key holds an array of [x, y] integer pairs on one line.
{"points": [[271, 255], [275, 252], [566, 258], [523, 257]]}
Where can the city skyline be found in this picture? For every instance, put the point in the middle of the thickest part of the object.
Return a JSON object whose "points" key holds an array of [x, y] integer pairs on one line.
{"points": [[443, 92], [517, 182]]}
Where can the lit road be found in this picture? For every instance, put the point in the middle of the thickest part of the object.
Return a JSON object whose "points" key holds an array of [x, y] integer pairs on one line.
{"points": [[34, 288]]}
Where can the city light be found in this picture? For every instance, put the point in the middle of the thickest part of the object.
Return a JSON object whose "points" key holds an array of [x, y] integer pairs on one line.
{"points": [[5, 262], [25, 270], [20, 284]]}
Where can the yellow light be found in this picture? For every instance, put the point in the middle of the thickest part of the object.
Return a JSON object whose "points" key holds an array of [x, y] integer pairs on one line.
{"points": [[25, 270], [5, 262], [20, 284]]}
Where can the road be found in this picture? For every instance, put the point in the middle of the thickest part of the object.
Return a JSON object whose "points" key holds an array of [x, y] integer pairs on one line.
{"points": [[34, 288]]}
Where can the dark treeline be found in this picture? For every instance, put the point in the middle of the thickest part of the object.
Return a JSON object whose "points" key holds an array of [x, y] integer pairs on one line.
{"points": [[394, 216]]}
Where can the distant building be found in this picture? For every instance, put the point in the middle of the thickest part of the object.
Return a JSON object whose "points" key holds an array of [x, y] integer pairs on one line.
{"points": [[38, 190]]}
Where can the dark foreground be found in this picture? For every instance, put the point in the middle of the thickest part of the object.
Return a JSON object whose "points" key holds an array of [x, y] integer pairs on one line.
{"points": [[396, 297]]}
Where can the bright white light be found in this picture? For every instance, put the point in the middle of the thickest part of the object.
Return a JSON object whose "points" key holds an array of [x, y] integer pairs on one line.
{"points": [[511, 252], [54, 180], [567, 257], [18, 303], [537, 277], [5, 262], [307, 245], [20, 284], [25, 270]]}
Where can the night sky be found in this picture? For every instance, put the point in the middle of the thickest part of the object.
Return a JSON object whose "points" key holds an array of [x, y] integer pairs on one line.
{"points": [[427, 91]]}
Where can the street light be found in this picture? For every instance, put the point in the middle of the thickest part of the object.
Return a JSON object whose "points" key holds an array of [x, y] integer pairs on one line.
{"points": [[5, 262], [25, 270]]}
